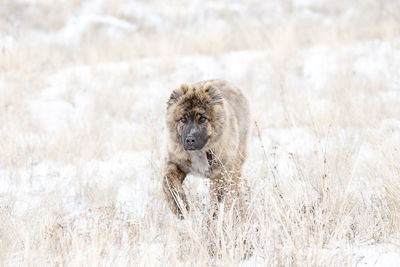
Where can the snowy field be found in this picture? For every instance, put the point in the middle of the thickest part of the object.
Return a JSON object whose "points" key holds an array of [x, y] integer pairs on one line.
{"points": [[83, 91]]}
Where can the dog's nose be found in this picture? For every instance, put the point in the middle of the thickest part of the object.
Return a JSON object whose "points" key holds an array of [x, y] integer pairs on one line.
{"points": [[190, 140]]}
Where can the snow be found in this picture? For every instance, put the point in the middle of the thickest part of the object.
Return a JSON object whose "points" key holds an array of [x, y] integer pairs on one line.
{"points": [[380, 255], [317, 64]]}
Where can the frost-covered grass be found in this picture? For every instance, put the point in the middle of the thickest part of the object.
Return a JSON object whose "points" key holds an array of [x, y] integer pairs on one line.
{"points": [[82, 135]]}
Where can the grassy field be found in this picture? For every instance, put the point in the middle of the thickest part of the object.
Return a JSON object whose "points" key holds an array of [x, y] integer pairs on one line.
{"points": [[83, 91]]}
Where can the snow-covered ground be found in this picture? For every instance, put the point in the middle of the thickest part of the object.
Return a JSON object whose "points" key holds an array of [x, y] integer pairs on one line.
{"points": [[83, 87]]}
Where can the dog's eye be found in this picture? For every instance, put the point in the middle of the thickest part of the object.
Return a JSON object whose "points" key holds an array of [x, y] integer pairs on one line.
{"points": [[183, 120], [202, 120]]}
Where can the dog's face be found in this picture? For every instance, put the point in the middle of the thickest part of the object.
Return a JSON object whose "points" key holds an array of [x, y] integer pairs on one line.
{"points": [[193, 115], [193, 128]]}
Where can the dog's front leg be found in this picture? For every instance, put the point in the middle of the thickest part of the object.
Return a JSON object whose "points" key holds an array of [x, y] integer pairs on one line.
{"points": [[224, 192], [173, 190]]}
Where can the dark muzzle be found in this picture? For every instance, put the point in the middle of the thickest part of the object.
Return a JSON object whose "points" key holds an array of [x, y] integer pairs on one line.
{"points": [[193, 138]]}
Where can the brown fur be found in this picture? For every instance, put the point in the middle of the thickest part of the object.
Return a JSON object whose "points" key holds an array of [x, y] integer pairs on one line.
{"points": [[227, 128]]}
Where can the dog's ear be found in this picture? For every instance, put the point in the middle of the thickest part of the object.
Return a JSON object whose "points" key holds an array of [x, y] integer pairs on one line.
{"points": [[177, 93], [213, 93]]}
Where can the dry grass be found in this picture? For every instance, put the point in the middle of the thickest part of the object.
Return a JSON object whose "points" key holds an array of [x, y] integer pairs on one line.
{"points": [[324, 159]]}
